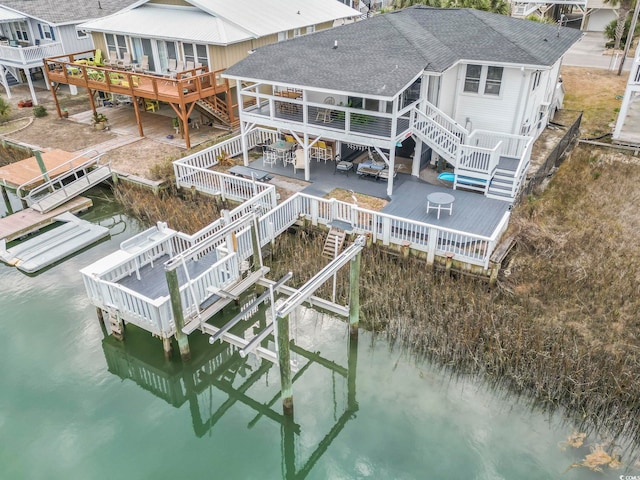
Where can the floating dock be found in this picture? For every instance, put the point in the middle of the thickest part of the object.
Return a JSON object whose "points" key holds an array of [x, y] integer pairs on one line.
{"points": [[47, 248], [29, 221], [18, 173]]}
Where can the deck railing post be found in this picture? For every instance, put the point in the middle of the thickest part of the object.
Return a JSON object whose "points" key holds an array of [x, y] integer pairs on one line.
{"points": [[432, 244], [178, 318]]}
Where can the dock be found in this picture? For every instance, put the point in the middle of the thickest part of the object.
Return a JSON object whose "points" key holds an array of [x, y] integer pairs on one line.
{"points": [[29, 221], [18, 173], [54, 245]]}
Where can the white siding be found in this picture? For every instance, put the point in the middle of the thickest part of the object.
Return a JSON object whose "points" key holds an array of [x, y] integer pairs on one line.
{"points": [[448, 83], [70, 41], [489, 112]]}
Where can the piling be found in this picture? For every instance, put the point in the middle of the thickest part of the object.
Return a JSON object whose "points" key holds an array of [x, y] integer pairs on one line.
{"points": [[178, 318], [284, 361], [354, 294], [5, 197], [166, 346], [41, 165], [103, 325]]}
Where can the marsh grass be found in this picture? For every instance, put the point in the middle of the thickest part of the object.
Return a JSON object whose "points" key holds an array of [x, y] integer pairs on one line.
{"points": [[562, 328]]}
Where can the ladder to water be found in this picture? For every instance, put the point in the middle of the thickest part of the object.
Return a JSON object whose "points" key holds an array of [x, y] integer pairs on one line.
{"points": [[334, 242]]}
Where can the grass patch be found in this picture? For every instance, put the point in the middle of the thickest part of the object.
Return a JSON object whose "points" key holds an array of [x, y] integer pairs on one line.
{"points": [[364, 201]]}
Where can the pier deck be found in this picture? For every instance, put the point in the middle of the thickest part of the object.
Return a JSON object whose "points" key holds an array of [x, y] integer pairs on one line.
{"points": [[17, 173], [28, 221]]}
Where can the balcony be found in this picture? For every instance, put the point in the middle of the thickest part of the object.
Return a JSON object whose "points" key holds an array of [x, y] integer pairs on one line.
{"points": [[184, 87], [335, 121], [28, 56]]}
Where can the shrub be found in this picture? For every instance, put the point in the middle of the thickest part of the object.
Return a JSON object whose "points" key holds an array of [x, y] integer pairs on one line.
{"points": [[39, 111], [5, 108]]}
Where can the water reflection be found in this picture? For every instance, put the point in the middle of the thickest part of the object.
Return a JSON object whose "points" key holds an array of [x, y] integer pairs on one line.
{"points": [[218, 369]]}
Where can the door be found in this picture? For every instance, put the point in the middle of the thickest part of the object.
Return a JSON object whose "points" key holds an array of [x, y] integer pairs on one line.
{"points": [[166, 50]]}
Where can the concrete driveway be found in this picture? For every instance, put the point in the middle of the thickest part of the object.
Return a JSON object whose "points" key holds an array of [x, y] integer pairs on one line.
{"points": [[590, 52]]}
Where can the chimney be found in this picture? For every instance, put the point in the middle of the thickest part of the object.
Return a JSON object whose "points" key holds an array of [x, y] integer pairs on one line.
{"points": [[335, 44]]}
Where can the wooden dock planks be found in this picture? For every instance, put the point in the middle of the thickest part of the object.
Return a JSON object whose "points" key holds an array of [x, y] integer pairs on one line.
{"points": [[28, 221], [17, 173]]}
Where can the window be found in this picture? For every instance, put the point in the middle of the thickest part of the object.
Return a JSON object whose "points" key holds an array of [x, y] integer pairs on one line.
{"points": [[472, 79], [46, 31], [296, 32], [81, 34], [19, 31], [282, 36], [494, 80], [311, 29], [195, 53], [483, 79], [535, 83], [116, 43]]}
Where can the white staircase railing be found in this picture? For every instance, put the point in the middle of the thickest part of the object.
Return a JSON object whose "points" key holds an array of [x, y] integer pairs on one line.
{"points": [[439, 131]]}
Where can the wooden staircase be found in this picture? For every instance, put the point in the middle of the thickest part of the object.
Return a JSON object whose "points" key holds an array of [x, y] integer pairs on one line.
{"points": [[334, 242], [215, 109]]}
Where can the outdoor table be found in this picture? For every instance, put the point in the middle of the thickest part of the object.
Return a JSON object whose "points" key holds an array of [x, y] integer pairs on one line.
{"points": [[440, 201], [282, 150], [251, 173]]}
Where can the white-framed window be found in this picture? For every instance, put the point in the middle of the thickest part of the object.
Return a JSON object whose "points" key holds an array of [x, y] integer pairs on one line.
{"points": [[297, 32], [46, 31], [482, 79], [116, 43], [535, 83], [196, 53], [19, 31], [81, 34], [311, 29]]}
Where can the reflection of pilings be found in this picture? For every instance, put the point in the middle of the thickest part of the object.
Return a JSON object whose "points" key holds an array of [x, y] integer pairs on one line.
{"points": [[277, 395], [238, 395], [352, 408], [315, 357], [288, 449]]}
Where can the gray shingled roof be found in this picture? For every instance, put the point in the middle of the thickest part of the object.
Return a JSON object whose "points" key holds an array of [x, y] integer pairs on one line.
{"points": [[381, 55], [67, 11]]}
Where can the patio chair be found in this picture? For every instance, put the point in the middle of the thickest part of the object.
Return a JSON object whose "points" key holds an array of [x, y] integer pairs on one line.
{"points": [[270, 157], [299, 162], [143, 66], [290, 139], [112, 61], [125, 63], [172, 66], [151, 105], [324, 114]]}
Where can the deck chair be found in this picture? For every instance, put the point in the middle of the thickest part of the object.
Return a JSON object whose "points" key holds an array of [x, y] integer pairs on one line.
{"points": [[290, 139], [324, 114], [97, 60], [143, 66], [151, 105], [172, 66], [126, 61], [112, 61], [298, 163]]}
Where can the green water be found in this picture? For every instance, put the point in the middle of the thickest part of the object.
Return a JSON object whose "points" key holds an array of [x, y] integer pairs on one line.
{"points": [[76, 406]]}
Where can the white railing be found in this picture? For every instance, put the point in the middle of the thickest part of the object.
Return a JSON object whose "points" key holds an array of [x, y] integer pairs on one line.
{"points": [[232, 147], [478, 160], [30, 55], [523, 165], [439, 131], [512, 146]]}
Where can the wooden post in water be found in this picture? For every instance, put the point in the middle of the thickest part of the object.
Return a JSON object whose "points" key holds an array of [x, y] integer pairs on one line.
{"points": [[176, 307], [103, 326], [7, 202], [284, 360], [41, 165], [354, 294], [166, 345]]}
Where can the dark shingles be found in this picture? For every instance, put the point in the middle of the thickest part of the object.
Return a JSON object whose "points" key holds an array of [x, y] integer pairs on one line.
{"points": [[56, 12], [381, 55]]}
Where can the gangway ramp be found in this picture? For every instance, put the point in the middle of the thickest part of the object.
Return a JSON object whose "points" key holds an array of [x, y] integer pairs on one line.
{"points": [[51, 189]]}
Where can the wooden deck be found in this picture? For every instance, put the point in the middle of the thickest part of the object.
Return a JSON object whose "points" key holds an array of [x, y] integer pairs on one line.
{"points": [[18, 173], [28, 221], [472, 212]]}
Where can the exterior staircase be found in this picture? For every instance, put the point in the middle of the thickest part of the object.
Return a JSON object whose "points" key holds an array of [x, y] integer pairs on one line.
{"points": [[334, 242], [491, 162], [214, 108]]}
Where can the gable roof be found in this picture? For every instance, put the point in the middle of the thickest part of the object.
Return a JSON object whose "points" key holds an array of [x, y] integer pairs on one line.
{"points": [[71, 11], [380, 56], [221, 22]]}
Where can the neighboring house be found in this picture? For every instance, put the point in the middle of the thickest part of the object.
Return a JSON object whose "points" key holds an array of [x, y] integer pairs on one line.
{"points": [[588, 15], [34, 29], [178, 48], [471, 87], [627, 129]]}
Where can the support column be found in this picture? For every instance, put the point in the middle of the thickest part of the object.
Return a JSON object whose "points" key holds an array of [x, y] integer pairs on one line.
{"points": [[5, 82], [284, 361], [46, 80], [352, 366], [136, 109], [166, 346], [256, 261], [354, 294], [103, 326], [41, 165], [178, 318], [30, 83], [417, 157]]}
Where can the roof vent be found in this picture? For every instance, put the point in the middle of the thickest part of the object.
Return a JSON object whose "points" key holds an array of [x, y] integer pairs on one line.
{"points": [[335, 44]]}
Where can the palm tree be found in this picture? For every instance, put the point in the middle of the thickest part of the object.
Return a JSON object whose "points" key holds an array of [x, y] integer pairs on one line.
{"points": [[624, 7]]}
